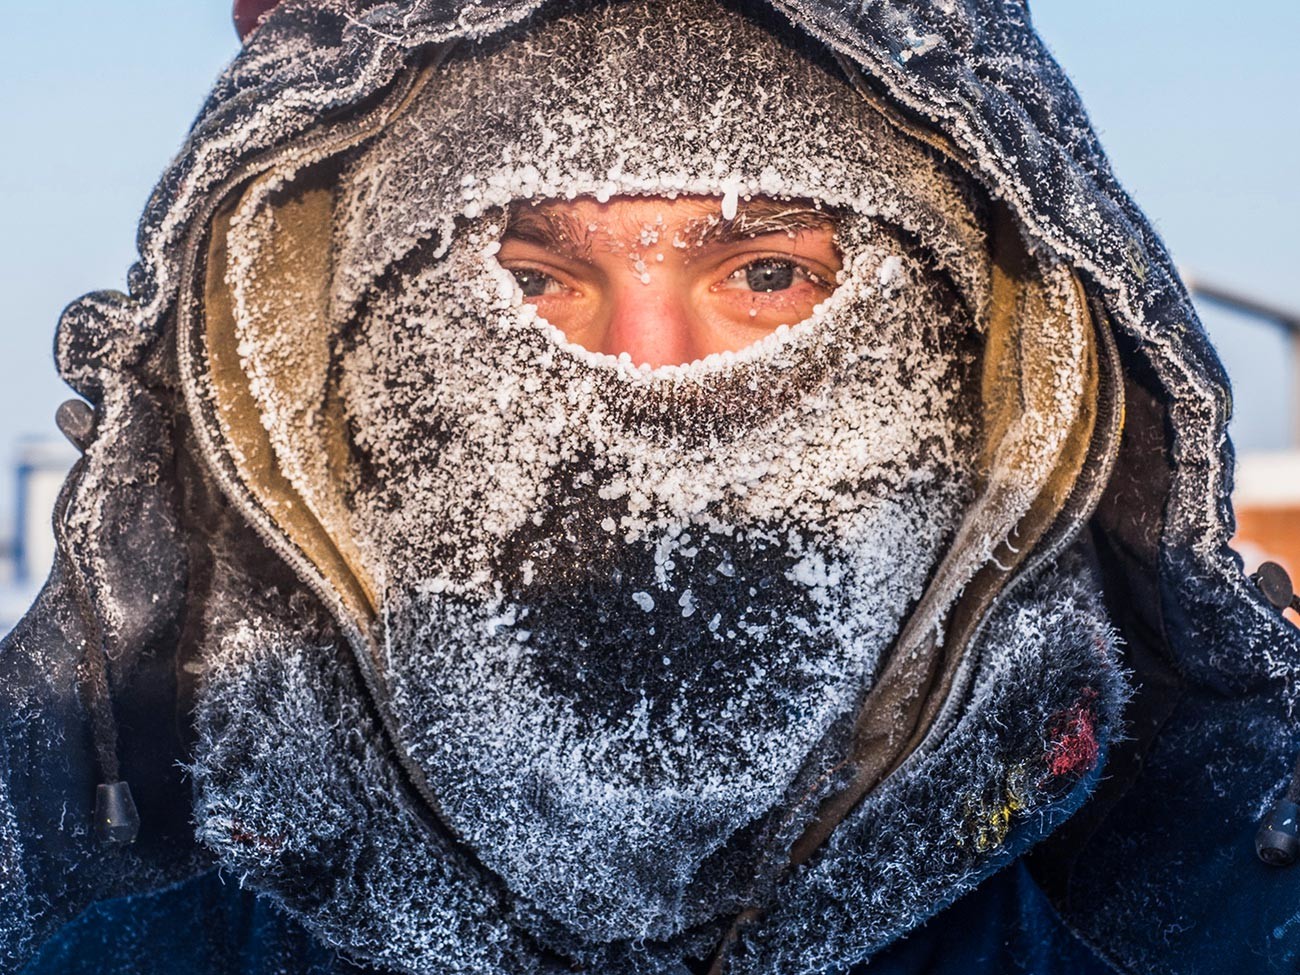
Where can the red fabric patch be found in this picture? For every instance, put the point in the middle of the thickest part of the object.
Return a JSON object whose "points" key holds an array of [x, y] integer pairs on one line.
{"points": [[1074, 749], [244, 838], [249, 13]]}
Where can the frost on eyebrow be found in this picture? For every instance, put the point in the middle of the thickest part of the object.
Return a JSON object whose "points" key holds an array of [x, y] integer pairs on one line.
{"points": [[553, 226], [758, 217]]}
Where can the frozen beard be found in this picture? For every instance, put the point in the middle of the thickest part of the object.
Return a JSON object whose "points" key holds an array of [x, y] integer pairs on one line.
{"points": [[627, 614]]}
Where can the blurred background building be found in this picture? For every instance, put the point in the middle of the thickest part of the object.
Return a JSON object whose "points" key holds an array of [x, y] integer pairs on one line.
{"points": [[1196, 102], [37, 469]]}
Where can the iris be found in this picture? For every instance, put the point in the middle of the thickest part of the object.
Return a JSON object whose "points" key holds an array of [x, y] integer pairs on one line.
{"points": [[770, 275], [532, 283]]}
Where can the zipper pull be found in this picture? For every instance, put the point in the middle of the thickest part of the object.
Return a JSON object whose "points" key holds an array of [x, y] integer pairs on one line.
{"points": [[117, 823]]}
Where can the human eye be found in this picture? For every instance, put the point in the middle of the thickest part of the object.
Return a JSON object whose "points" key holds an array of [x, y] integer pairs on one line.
{"points": [[534, 283], [769, 274]]}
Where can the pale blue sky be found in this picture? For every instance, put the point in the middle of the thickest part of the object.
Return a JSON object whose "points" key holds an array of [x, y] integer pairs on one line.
{"points": [[1198, 103]]}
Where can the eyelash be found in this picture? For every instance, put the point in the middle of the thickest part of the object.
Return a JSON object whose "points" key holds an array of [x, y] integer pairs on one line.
{"points": [[551, 279], [799, 268]]}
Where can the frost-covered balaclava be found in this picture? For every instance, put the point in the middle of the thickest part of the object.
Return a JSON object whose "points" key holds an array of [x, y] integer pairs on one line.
{"points": [[626, 614]]}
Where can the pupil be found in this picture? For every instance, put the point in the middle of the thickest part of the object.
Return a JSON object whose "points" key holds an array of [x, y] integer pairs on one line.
{"points": [[770, 276], [531, 283]]}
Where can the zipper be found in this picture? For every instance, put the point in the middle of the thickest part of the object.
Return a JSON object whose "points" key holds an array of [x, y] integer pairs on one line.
{"points": [[1079, 507]]}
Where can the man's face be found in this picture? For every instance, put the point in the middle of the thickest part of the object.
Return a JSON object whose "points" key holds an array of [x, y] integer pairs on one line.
{"points": [[667, 282]]}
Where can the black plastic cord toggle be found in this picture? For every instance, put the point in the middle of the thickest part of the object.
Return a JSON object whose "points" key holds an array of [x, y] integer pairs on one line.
{"points": [[1277, 842], [1275, 584], [76, 420], [116, 821]]}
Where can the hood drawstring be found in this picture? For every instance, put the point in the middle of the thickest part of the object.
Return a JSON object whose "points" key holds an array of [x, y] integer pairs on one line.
{"points": [[117, 822], [1277, 841]]}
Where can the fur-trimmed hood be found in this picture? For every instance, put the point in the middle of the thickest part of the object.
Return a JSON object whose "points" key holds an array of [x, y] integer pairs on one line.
{"points": [[1211, 670]]}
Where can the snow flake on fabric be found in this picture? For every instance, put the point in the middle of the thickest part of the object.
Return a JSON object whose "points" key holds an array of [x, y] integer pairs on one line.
{"points": [[623, 607]]}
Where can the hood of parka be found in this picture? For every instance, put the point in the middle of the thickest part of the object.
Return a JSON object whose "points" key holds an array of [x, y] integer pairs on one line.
{"points": [[641, 639], [319, 77], [635, 634]]}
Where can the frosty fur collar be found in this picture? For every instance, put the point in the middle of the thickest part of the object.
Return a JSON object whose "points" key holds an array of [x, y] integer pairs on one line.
{"points": [[296, 796]]}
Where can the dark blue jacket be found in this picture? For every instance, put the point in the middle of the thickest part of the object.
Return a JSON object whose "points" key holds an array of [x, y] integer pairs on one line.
{"points": [[1143, 864]]}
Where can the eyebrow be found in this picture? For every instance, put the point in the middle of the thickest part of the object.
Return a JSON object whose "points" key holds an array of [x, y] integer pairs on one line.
{"points": [[757, 218], [551, 228], [561, 232]]}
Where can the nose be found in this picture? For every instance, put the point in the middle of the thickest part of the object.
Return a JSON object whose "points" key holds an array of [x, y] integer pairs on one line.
{"points": [[653, 322]]}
